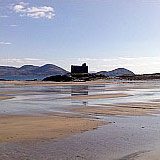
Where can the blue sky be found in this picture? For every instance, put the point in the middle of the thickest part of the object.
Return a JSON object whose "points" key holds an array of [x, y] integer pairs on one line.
{"points": [[106, 34]]}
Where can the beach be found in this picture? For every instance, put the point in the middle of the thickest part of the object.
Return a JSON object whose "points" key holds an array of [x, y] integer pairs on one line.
{"points": [[104, 120], [19, 128]]}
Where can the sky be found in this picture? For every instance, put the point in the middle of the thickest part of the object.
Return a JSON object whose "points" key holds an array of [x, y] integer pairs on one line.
{"points": [[106, 34]]}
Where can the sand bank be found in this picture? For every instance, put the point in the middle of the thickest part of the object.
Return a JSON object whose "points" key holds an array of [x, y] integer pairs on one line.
{"points": [[98, 96], [17, 128], [43, 83], [128, 109], [5, 97]]}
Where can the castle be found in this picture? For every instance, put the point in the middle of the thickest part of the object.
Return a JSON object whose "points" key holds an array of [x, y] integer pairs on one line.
{"points": [[79, 69]]}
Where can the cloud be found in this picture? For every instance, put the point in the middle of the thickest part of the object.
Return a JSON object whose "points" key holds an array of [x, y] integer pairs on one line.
{"points": [[22, 61], [5, 43], [35, 12], [138, 65]]}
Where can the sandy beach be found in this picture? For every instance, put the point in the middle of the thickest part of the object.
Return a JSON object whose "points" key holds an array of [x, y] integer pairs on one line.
{"points": [[93, 120], [79, 80], [21, 128]]}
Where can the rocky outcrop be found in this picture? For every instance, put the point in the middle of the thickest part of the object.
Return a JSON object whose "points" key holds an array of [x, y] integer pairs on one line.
{"points": [[59, 78]]}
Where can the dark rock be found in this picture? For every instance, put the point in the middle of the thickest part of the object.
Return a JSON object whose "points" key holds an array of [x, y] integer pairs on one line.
{"points": [[58, 78]]}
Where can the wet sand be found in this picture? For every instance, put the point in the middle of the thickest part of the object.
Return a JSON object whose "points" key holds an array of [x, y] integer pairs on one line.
{"points": [[126, 139], [98, 96], [60, 120], [150, 155], [5, 97], [43, 83], [128, 109], [20, 128]]}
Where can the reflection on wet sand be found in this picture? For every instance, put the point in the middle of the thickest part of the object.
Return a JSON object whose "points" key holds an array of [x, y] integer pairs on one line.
{"points": [[80, 90], [98, 96]]}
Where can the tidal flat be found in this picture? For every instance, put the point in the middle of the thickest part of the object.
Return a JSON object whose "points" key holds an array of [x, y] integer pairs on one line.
{"points": [[96, 120]]}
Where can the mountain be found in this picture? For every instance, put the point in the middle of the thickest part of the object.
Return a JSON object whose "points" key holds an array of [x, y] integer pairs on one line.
{"points": [[116, 72], [28, 68], [50, 69], [30, 72]]}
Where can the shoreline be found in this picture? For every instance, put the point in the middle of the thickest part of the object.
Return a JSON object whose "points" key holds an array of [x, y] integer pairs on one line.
{"points": [[52, 83]]}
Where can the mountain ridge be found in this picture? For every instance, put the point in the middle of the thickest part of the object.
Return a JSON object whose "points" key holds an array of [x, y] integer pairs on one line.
{"points": [[116, 72], [29, 72]]}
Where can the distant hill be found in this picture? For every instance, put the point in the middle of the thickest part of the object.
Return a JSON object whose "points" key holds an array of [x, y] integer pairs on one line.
{"points": [[30, 72], [116, 72]]}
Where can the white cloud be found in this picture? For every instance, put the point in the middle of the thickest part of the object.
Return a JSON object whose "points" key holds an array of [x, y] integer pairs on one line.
{"points": [[35, 12], [21, 7], [22, 61], [5, 43]]}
